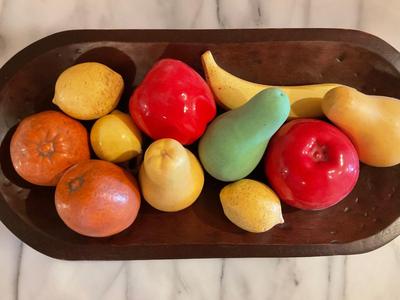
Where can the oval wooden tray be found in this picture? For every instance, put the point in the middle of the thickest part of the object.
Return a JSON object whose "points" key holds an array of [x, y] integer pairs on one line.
{"points": [[367, 219]]}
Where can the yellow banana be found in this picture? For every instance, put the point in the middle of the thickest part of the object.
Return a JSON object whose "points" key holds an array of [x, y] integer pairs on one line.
{"points": [[231, 91]]}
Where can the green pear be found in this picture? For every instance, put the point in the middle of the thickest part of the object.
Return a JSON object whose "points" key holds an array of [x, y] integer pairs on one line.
{"points": [[235, 142]]}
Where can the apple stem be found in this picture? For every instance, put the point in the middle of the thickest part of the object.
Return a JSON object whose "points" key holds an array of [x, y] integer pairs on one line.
{"points": [[319, 153]]}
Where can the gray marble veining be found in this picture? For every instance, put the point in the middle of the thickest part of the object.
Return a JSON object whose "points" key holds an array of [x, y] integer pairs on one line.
{"points": [[27, 274]]}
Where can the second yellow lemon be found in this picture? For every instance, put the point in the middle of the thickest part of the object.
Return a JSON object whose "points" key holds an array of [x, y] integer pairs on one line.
{"points": [[251, 205], [115, 137]]}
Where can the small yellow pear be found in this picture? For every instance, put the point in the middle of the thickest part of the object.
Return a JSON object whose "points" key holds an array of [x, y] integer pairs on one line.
{"points": [[371, 122], [88, 91], [116, 138], [171, 177], [251, 205]]}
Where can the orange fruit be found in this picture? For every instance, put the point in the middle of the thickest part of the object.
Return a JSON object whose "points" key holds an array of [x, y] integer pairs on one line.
{"points": [[97, 198], [46, 144]]}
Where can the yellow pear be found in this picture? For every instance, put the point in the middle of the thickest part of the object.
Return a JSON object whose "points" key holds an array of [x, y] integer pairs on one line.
{"points": [[171, 177], [251, 205], [371, 122], [88, 91], [116, 138]]}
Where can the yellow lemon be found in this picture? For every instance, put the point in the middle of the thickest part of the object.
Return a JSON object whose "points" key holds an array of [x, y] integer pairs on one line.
{"points": [[88, 91], [116, 138], [171, 177], [251, 205]]}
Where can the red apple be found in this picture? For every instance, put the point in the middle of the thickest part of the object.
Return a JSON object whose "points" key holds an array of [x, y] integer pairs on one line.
{"points": [[311, 164], [173, 101]]}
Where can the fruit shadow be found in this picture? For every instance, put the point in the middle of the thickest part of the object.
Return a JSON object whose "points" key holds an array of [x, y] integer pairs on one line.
{"points": [[42, 215], [379, 82], [6, 163], [208, 207], [40, 209], [188, 53]]}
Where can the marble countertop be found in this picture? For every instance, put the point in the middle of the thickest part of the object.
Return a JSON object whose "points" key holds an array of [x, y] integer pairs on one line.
{"points": [[27, 274]]}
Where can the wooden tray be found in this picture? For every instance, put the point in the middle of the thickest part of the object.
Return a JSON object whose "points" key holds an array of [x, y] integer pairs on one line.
{"points": [[367, 219]]}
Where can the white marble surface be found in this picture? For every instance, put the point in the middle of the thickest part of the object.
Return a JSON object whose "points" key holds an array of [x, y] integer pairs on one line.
{"points": [[27, 274]]}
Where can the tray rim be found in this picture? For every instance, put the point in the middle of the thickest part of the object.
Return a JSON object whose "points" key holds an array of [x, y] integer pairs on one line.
{"points": [[69, 251]]}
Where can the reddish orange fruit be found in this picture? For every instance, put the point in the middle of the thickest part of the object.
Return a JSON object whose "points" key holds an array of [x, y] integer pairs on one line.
{"points": [[97, 198], [46, 144]]}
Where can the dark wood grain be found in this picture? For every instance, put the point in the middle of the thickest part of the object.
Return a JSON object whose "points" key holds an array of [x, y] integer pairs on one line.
{"points": [[365, 220]]}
